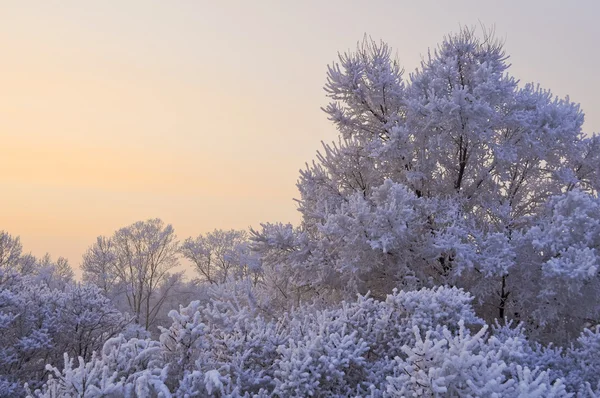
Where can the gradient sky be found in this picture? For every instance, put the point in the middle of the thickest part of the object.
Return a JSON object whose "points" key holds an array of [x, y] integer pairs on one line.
{"points": [[202, 112]]}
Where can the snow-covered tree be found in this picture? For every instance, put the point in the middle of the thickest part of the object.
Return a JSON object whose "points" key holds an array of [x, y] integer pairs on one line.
{"points": [[54, 274], [437, 178]]}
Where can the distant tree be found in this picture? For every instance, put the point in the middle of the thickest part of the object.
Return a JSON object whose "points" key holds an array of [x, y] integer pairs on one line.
{"points": [[135, 262], [55, 274], [98, 265], [219, 256]]}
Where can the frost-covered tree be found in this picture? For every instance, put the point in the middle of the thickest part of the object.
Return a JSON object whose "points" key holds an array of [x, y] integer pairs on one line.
{"points": [[437, 178], [136, 263], [219, 256], [38, 324], [89, 319]]}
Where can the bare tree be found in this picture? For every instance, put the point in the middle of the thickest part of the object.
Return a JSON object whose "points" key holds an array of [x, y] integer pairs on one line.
{"points": [[98, 264], [222, 255], [135, 262]]}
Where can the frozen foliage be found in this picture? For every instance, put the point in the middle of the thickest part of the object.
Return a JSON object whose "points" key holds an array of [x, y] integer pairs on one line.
{"points": [[462, 364], [38, 324], [560, 258], [581, 366], [130, 368]]}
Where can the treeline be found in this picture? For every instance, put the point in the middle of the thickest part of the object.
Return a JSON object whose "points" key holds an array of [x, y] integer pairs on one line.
{"points": [[127, 289]]}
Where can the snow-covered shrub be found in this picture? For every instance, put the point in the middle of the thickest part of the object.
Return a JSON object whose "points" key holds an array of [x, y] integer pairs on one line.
{"points": [[124, 368], [516, 349], [341, 350], [323, 356], [464, 364], [583, 360], [415, 343], [225, 336]]}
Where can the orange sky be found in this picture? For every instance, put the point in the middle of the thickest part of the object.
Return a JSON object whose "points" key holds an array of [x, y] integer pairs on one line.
{"points": [[202, 113]]}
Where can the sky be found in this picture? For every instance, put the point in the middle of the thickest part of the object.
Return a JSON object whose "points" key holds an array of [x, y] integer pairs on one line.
{"points": [[202, 113]]}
